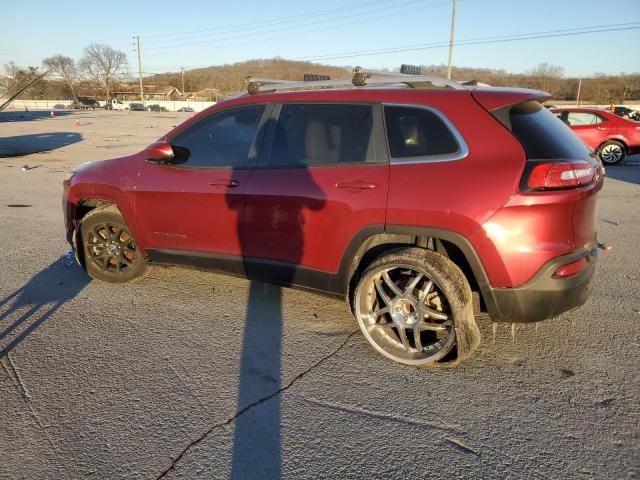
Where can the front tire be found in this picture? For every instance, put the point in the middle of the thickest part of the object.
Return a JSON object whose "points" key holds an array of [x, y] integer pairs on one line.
{"points": [[414, 306], [611, 152], [110, 251]]}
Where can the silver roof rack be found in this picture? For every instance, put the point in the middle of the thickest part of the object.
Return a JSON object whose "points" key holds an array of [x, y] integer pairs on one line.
{"points": [[360, 78]]}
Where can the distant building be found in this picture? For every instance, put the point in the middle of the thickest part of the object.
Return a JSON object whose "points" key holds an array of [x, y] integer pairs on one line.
{"points": [[151, 92], [204, 95]]}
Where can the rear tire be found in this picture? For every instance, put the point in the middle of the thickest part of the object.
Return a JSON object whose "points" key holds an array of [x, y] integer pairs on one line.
{"points": [[415, 307], [611, 152], [110, 251]]}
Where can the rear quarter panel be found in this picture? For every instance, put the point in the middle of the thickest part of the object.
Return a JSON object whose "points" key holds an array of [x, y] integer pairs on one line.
{"points": [[461, 195]]}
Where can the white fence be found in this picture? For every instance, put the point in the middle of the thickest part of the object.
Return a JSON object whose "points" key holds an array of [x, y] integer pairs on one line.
{"points": [[49, 104]]}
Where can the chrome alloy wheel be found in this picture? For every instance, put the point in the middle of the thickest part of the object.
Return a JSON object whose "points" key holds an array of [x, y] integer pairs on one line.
{"points": [[405, 315], [611, 153]]}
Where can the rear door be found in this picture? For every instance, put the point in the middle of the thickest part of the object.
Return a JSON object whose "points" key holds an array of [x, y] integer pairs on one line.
{"points": [[323, 177], [590, 127]]}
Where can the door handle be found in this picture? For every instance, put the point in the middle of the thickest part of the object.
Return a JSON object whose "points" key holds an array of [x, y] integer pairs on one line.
{"points": [[601, 128], [356, 186], [224, 182]]}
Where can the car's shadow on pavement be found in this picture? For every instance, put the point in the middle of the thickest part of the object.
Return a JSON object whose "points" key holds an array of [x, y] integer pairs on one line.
{"points": [[21, 145], [29, 116], [24, 310]]}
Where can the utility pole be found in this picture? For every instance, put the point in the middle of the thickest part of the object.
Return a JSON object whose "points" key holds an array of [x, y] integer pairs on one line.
{"points": [[453, 24], [579, 88], [182, 80], [140, 69]]}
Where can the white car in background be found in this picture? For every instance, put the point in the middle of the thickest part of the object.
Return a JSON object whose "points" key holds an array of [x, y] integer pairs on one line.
{"points": [[116, 104]]}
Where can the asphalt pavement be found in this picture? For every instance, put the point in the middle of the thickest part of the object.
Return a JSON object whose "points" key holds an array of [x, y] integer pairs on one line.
{"points": [[190, 374]]}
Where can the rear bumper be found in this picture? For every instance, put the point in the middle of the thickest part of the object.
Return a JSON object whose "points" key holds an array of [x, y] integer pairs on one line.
{"points": [[545, 296]]}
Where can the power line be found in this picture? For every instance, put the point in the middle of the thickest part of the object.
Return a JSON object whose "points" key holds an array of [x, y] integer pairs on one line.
{"points": [[253, 33], [471, 41], [307, 31], [478, 41], [274, 21]]}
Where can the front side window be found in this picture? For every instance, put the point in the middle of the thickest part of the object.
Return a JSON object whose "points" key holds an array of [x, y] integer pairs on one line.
{"points": [[583, 118], [417, 132], [322, 134], [221, 140]]}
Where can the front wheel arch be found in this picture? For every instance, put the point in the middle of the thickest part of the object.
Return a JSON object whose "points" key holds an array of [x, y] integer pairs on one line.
{"points": [[113, 250], [82, 209]]}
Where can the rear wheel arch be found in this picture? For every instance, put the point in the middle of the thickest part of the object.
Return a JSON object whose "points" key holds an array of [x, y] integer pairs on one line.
{"points": [[617, 140], [451, 245]]}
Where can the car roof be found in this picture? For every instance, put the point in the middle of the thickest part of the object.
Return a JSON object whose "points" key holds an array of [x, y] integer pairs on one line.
{"points": [[490, 97]]}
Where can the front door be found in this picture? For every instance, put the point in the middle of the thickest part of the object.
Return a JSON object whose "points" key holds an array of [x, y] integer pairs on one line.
{"points": [[195, 204], [320, 182]]}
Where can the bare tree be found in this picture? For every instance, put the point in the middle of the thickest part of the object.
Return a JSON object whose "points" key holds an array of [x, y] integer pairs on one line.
{"points": [[65, 67], [547, 76], [631, 85], [11, 68], [102, 63], [13, 72]]}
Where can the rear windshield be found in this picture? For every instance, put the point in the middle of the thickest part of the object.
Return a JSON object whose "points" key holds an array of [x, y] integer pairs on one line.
{"points": [[542, 134]]}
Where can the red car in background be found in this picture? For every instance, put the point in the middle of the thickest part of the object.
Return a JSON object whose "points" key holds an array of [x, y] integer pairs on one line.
{"points": [[612, 137]]}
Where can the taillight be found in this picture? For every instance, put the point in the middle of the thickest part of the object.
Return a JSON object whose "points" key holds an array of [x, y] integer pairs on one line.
{"points": [[561, 175]]}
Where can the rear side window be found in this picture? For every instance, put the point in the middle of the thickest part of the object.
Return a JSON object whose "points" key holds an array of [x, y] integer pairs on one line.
{"points": [[583, 118], [417, 132], [542, 134], [317, 134], [221, 140]]}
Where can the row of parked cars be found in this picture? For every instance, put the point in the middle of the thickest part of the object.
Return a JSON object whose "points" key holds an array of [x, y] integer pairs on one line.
{"points": [[89, 103]]}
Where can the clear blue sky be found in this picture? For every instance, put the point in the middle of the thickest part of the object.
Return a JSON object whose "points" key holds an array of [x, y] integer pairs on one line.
{"points": [[198, 33]]}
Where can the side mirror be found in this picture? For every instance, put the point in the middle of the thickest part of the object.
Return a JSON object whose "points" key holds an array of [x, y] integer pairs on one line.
{"points": [[159, 152]]}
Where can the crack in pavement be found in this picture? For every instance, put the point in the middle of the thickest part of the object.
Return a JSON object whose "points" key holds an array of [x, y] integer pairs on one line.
{"points": [[451, 439], [254, 404], [460, 445], [187, 387], [10, 367], [15, 376], [346, 408]]}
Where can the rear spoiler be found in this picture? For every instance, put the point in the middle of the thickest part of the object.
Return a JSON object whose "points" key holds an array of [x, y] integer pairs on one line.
{"points": [[498, 101], [493, 98]]}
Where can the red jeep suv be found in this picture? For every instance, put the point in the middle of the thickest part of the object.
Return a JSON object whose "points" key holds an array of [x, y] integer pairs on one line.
{"points": [[402, 194]]}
